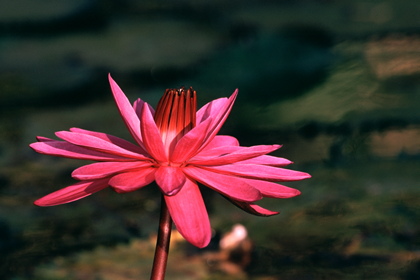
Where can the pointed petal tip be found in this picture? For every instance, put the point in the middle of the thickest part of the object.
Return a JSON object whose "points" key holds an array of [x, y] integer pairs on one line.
{"points": [[39, 203], [61, 133], [201, 243], [252, 208], [115, 88], [72, 193], [43, 139], [263, 212], [198, 241], [234, 94], [113, 83], [306, 175], [299, 177], [75, 175], [42, 202]]}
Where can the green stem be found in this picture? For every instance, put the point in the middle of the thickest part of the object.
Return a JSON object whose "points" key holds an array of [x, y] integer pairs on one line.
{"points": [[162, 243]]}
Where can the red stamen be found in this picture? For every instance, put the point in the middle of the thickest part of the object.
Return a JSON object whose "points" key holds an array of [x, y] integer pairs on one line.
{"points": [[175, 115]]}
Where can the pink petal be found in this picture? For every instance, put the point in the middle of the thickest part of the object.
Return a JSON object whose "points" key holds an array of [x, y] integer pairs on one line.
{"points": [[253, 208], [219, 117], [99, 144], [216, 152], [211, 109], [274, 190], [44, 139], [127, 111], [152, 139], [131, 181], [241, 154], [68, 150], [72, 193], [262, 211], [233, 187], [112, 139], [189, 214], [262, 172], [106, 169], [170, 179], [189, 144], [268, 160], [220, 141], [138, 107]]}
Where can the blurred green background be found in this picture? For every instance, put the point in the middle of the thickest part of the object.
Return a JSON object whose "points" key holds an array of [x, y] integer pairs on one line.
{"points": [[335, 82]]}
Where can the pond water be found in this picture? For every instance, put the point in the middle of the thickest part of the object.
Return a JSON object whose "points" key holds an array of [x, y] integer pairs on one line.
{"points": [[335, 82]]}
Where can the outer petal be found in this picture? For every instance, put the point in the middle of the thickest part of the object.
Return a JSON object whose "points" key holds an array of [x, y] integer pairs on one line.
{"points": [[112, 139], [253, 208], [170, 179], [211, 109], [134, 180], [189, 144], [216, 152], [268, 160], [262, 172], [274, 190], [138, 107], [68, 150], [106, 169], [241, 154], [189, 214], [72, 193], [219, 117], [221, 141], [233, 187], [99, 144], [152, 139], [127, 111], [207, 154], [44, 139]]}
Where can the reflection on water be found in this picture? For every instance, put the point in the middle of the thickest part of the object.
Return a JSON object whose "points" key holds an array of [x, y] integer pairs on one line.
{"points": [[336, 82]]}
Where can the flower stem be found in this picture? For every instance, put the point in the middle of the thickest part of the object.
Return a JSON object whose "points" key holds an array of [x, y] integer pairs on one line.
{"points": [[162, 243]]}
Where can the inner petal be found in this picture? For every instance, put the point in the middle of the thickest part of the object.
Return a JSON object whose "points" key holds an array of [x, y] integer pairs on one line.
{"points": [[170, 179]]}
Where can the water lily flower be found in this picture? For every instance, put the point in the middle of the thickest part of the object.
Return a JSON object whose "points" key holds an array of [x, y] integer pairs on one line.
{"points": [[177, 147]]}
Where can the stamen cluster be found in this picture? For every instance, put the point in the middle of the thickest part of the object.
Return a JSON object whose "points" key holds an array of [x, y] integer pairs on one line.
{"points": [[175, 115]]}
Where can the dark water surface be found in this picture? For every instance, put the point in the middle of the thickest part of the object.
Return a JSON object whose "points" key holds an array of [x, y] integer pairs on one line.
{"points": [[335, 82]]}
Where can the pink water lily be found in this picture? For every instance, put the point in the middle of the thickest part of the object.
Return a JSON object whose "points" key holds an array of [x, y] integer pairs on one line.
{"points": [[177, 147]]}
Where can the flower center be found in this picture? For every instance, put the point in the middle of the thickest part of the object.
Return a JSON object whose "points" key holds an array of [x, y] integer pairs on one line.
{"points": [[175, 115]]}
